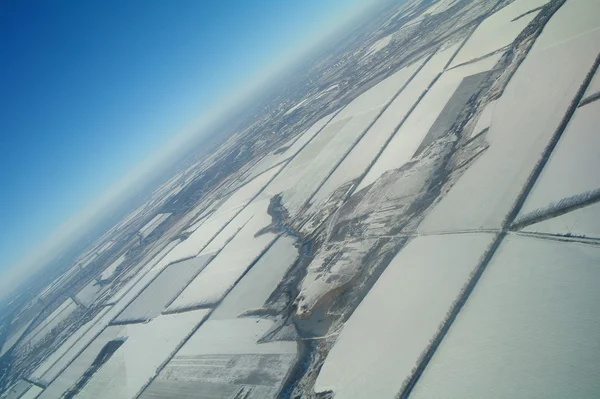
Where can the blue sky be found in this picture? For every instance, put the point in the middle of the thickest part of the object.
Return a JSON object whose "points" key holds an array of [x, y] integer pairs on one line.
{"points": [[91, 88]]}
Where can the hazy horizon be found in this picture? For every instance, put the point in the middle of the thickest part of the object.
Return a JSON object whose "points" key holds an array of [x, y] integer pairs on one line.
{"points": [[111, 123]]}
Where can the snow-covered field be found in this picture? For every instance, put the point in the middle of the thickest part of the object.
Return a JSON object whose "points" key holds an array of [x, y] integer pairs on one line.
{"points": [[85, 356], [196, 242], [153, 300], [110, 270], [32, 393], [223, 358], [385, 336], [142, 272], [156, 221], [14, 337], [146, 348], [287, 151], [228, 266], [498, 30], [583, 222], [411, 134], [53, 320], [50, 361], [365, 151], [574, 164], [523, 122], [529, 330], [258, 284], [306, 172]]}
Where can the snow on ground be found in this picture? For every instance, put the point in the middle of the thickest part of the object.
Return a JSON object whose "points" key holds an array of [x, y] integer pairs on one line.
{"points": [[379, 45], [583, 222], [287, 151], [17, 390], [142, 272], [574, 164], [153, 224], [533, 295], [196, 242], [32, 392], [524, 120], [385, 336], [81, 362], [59, 315], [134, 364], [51, 360], [92, 293], [498, 30], [257, 285], [369, 146], [223, 358], [485, 119], [594, 85], [110, 270], [14, 337], [135, 287], [439, 7], [303, 175], [164, 289], [229, 265], [410, 136]]}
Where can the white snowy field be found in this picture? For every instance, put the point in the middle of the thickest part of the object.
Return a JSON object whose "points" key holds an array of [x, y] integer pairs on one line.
{"points": [[524, 120], [485, 119], [594, 85], [208, 230], [257, 285], [32, 393], [50, 361], [153, 224], [53, 320], [14, 337], [110, 270], [582, 222], [211, 285], [165, 288], [288, 150], [498, 30], [365, 151], [137, 361], [529, 330], [411, 134], [385, 336], [308, 170], [77, 366], [223, 359], [142, 272], [574, 164]]}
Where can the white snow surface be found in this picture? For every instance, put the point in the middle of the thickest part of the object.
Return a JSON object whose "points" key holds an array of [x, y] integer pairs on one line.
{"points": [[383, 339], [53, 320], [147, 347], [153, 224], [32, 393], [410, 136], [580, 222], [498, 30], [223, 215], [372, 143], [229, 265], [525, 118], [574, 164], [305, 173], [257, 285], [233, 336], [110, 270], [485, 119], [529, 330], [51, 360]]}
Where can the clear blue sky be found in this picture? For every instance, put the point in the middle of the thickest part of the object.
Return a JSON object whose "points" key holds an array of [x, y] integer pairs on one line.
{"points": [[91, 88]]}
